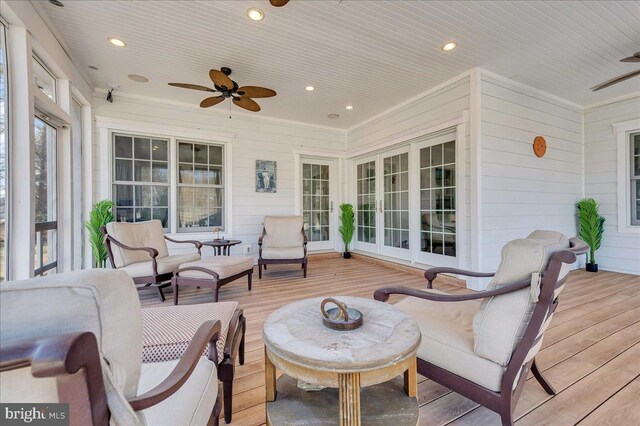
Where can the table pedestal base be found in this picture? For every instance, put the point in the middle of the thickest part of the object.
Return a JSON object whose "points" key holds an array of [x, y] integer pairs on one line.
{"points": [[349, 393], [381, 405]]}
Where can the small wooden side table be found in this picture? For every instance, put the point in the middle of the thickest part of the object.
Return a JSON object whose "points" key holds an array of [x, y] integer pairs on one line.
{"points": [[221, 247], [297, 343]]}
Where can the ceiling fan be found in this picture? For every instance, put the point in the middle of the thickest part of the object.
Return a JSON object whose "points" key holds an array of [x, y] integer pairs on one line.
{"points": [[278, 3], [227, 88], [623, 77]]}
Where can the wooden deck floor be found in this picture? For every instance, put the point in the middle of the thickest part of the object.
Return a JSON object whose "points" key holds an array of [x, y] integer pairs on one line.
{"points": [[591, 352]]}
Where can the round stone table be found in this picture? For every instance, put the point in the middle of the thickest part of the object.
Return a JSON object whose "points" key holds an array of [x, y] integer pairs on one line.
{"points": [[299, 345]]}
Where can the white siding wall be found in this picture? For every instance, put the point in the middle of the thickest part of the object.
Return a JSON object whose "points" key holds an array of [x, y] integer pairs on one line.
{"points": [[255, 139], [441, 106], [521, 192], [619, 251]]}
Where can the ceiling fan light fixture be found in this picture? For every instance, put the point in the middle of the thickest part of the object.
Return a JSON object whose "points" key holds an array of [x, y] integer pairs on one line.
{"points": [[117, 42], [449, 46], [255, 14], [349, 107], [309, 88]]}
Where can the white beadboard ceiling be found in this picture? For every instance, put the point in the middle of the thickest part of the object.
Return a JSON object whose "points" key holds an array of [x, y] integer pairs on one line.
{"points": [[371, 54]]}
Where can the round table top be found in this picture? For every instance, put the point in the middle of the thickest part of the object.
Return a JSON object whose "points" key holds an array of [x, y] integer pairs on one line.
{"points": [[219, 243], [295, 333]]}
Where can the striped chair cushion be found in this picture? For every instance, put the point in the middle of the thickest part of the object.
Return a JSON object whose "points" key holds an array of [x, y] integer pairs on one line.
{"points": [[168, 330]]}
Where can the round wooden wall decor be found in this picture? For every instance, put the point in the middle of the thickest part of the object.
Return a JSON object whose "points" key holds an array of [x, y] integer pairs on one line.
{"points": [[539, 146]]}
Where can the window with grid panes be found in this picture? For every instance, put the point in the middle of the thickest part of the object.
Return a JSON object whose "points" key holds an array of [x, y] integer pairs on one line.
{"points": [[635, 178], [396, 201], [315, 201], [200, 185], [438, 199], [141, 178]]}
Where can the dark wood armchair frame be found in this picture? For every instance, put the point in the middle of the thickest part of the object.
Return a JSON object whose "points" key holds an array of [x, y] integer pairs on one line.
{"points": [[503, 402], [63, 356], [215, 282], [156, 281], [264, 262]]}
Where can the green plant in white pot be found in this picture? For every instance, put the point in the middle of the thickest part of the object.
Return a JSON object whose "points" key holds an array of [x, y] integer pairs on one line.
{"points": [[591, 229], [101, 213], [347, 227]]}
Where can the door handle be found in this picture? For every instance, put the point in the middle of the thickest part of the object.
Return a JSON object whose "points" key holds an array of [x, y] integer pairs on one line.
{"points": [[380, 206]]}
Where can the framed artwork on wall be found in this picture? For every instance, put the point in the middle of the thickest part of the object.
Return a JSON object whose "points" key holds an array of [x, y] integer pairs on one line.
{"points": [[266, 176]]}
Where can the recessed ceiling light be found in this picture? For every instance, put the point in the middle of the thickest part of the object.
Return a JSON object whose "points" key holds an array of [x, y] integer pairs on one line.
{"points": [[93, 67], [332, 116], [449, 46], [138, 78], [310, 88], [117, 42], [349, 107], [56, 3], [255, 14]]}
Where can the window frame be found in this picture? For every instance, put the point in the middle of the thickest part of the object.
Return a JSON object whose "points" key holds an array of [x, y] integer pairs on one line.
{"points": [[106, 126], [42, 63], [624, 130], [7, 152], [222, 185], [634, 181]]}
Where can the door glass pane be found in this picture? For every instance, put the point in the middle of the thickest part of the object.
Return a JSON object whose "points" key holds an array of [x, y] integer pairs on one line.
{"points": [[316, 201], [366, 204], [396, 204], [45, 181], [4, 115], [44, 80], [438, 199]]}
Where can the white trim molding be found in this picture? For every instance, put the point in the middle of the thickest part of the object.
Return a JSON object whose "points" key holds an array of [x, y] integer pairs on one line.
{"points": [[623, 173]]}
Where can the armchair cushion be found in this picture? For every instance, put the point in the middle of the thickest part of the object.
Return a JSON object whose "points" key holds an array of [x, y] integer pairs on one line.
{"points": [[447, 339], [192, 404], [283, 231], [166, 265], [501, 320], [283, 252], [168, 330], [224, 266], [140, 234]]}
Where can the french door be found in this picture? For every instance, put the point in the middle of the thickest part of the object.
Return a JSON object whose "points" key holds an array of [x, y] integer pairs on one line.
{"points": [[407, 199], [318, 195]]}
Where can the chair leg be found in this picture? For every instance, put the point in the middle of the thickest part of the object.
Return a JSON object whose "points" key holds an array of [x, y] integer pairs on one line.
{"points": [[249, 278], [175, 294], [216, 289], [541, 379], [265, 266], [227, 395], [259, 271], [304, 265], [160, 293], [241, 345], [507, 419]]}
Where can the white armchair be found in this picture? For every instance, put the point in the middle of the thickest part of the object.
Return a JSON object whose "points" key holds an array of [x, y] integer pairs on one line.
{"points": [[77, 338], [140, 249], [282, 241]]}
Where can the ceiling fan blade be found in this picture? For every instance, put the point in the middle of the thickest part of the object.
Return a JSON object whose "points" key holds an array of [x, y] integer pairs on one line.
{"points": [[247, 103], [221, 79], [215, 100], [616, 80], [278, 3], [192, 86], [255, 92], [634, 58]]}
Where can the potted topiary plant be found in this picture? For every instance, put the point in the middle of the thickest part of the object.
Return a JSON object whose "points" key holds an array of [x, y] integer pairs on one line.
{"points": [[347, 227], [99, 216], [591, 229]]}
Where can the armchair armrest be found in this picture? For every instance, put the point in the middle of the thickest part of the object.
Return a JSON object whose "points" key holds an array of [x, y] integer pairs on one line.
{"points": [[196, 243], [237, 323], [304, 236], [431, 274], [61, 356], [261, 237], [383, 294], [207, 334], [152, 252]]}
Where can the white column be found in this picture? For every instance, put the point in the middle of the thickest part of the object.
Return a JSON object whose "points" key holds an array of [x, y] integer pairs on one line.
{"points": [[475, 119], [65, 183], [87, 176], [21, 154]]}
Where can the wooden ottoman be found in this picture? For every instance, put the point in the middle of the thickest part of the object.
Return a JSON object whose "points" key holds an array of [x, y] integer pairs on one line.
{"points": [[168, 330], [212, 272]]}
